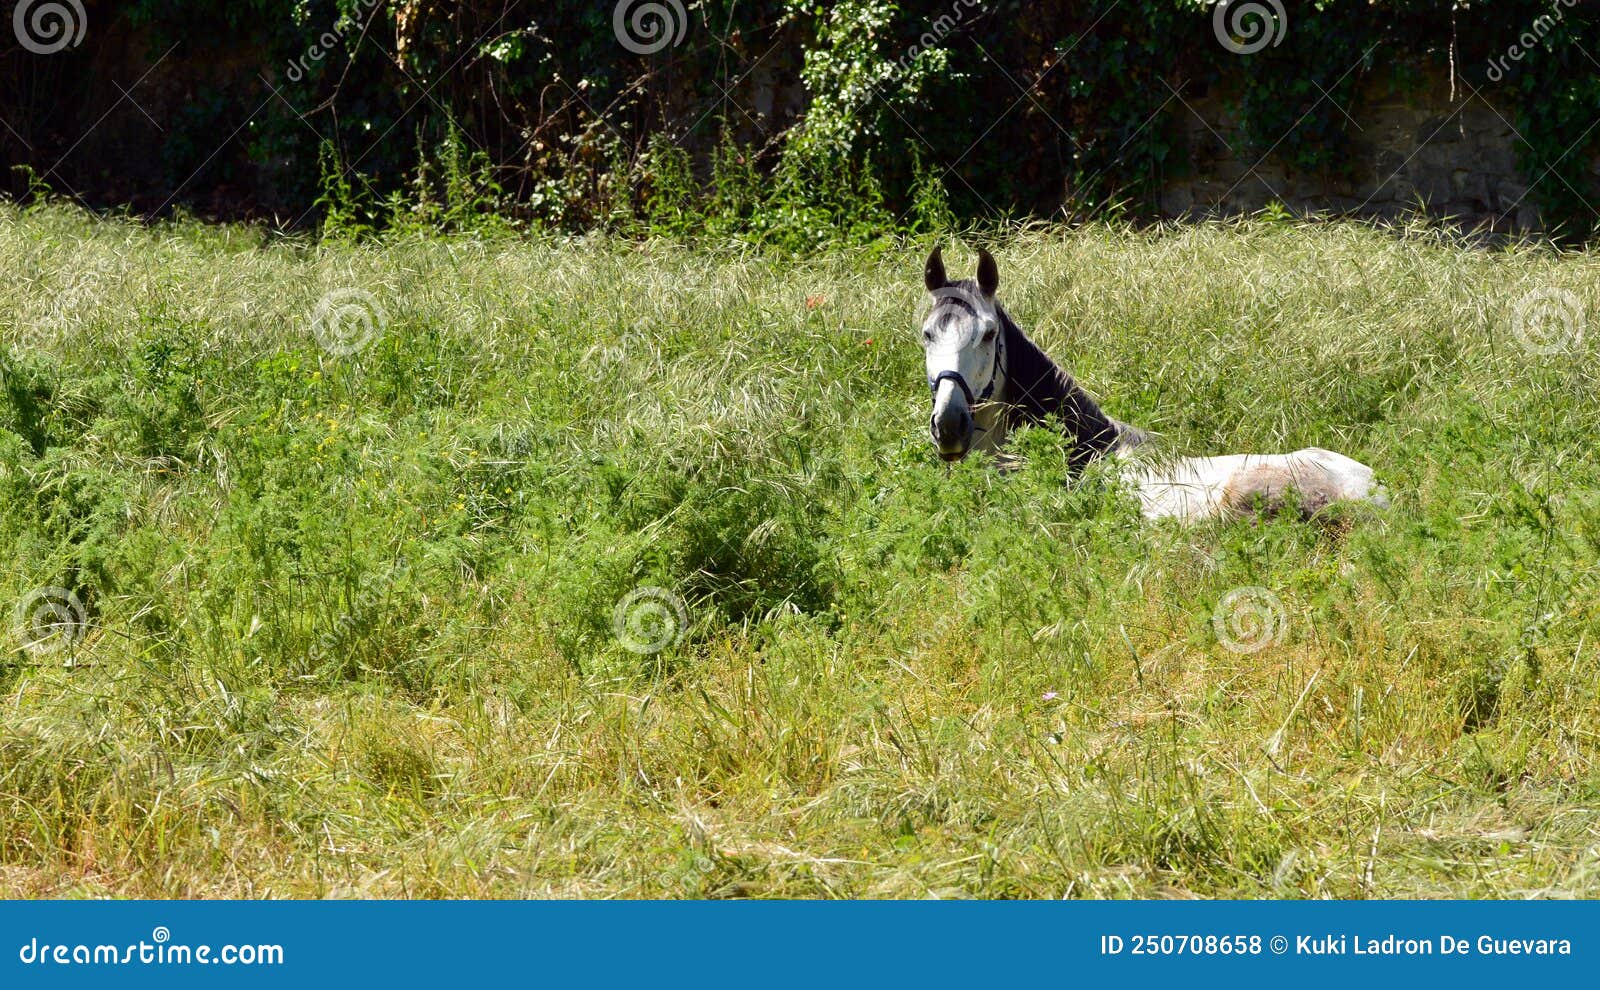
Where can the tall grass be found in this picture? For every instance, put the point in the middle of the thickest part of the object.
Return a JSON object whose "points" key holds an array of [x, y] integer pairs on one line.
{"points": [[349, 617]]}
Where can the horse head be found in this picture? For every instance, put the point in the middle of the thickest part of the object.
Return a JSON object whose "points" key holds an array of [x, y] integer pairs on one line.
{"points": [[963, 343]]}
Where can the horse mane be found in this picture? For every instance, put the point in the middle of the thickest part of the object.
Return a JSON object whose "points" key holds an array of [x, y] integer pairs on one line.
{"points": [[1038, 388]]}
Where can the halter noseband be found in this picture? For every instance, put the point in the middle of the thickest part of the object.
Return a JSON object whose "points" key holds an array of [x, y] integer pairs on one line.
{"points": [[961, 383]]}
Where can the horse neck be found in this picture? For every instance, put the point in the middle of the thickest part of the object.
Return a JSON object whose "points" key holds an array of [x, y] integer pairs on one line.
{"points": [[1038, 388]]}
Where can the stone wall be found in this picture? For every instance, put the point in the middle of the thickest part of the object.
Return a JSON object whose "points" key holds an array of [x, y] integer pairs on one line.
{"points": [[1414, 148]]}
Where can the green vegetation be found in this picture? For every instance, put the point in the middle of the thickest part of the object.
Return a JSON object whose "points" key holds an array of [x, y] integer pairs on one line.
{"points": [[350, 596], [844, 111]]}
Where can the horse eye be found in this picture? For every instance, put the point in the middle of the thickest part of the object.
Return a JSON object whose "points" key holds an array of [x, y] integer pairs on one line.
{"points": [[990, 334]]}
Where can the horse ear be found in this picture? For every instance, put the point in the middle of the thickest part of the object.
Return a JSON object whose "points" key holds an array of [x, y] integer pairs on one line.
{"points": [[988, 273], [933, 275]]}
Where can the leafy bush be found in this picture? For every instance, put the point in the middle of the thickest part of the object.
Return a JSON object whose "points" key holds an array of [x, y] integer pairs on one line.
{"points": [[790, 121]]}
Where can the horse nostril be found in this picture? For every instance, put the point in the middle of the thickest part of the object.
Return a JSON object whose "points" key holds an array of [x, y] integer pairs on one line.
{"points": [[951, 426]]}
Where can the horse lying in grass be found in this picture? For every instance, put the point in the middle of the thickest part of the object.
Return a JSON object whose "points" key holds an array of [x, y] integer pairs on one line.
{"points": [[988, 377]]}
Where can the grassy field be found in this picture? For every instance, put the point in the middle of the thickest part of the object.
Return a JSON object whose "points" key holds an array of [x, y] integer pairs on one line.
{"points": [[372, 545]]}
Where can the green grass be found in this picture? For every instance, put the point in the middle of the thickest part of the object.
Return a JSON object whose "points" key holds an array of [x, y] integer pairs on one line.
{"points": [[350, 619]]}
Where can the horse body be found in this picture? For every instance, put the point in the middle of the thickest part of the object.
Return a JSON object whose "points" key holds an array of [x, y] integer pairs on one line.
{"points": [[1239, 485], [988, 377]]}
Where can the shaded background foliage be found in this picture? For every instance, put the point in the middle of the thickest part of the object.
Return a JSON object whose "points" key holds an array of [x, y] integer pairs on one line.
{"points": [[786, 117]]}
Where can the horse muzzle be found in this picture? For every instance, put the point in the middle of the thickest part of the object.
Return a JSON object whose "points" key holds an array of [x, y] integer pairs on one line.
{"points": [[952, 429]]}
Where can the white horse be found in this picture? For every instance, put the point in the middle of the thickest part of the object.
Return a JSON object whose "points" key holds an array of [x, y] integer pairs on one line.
{"points": [[988, 377]]}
